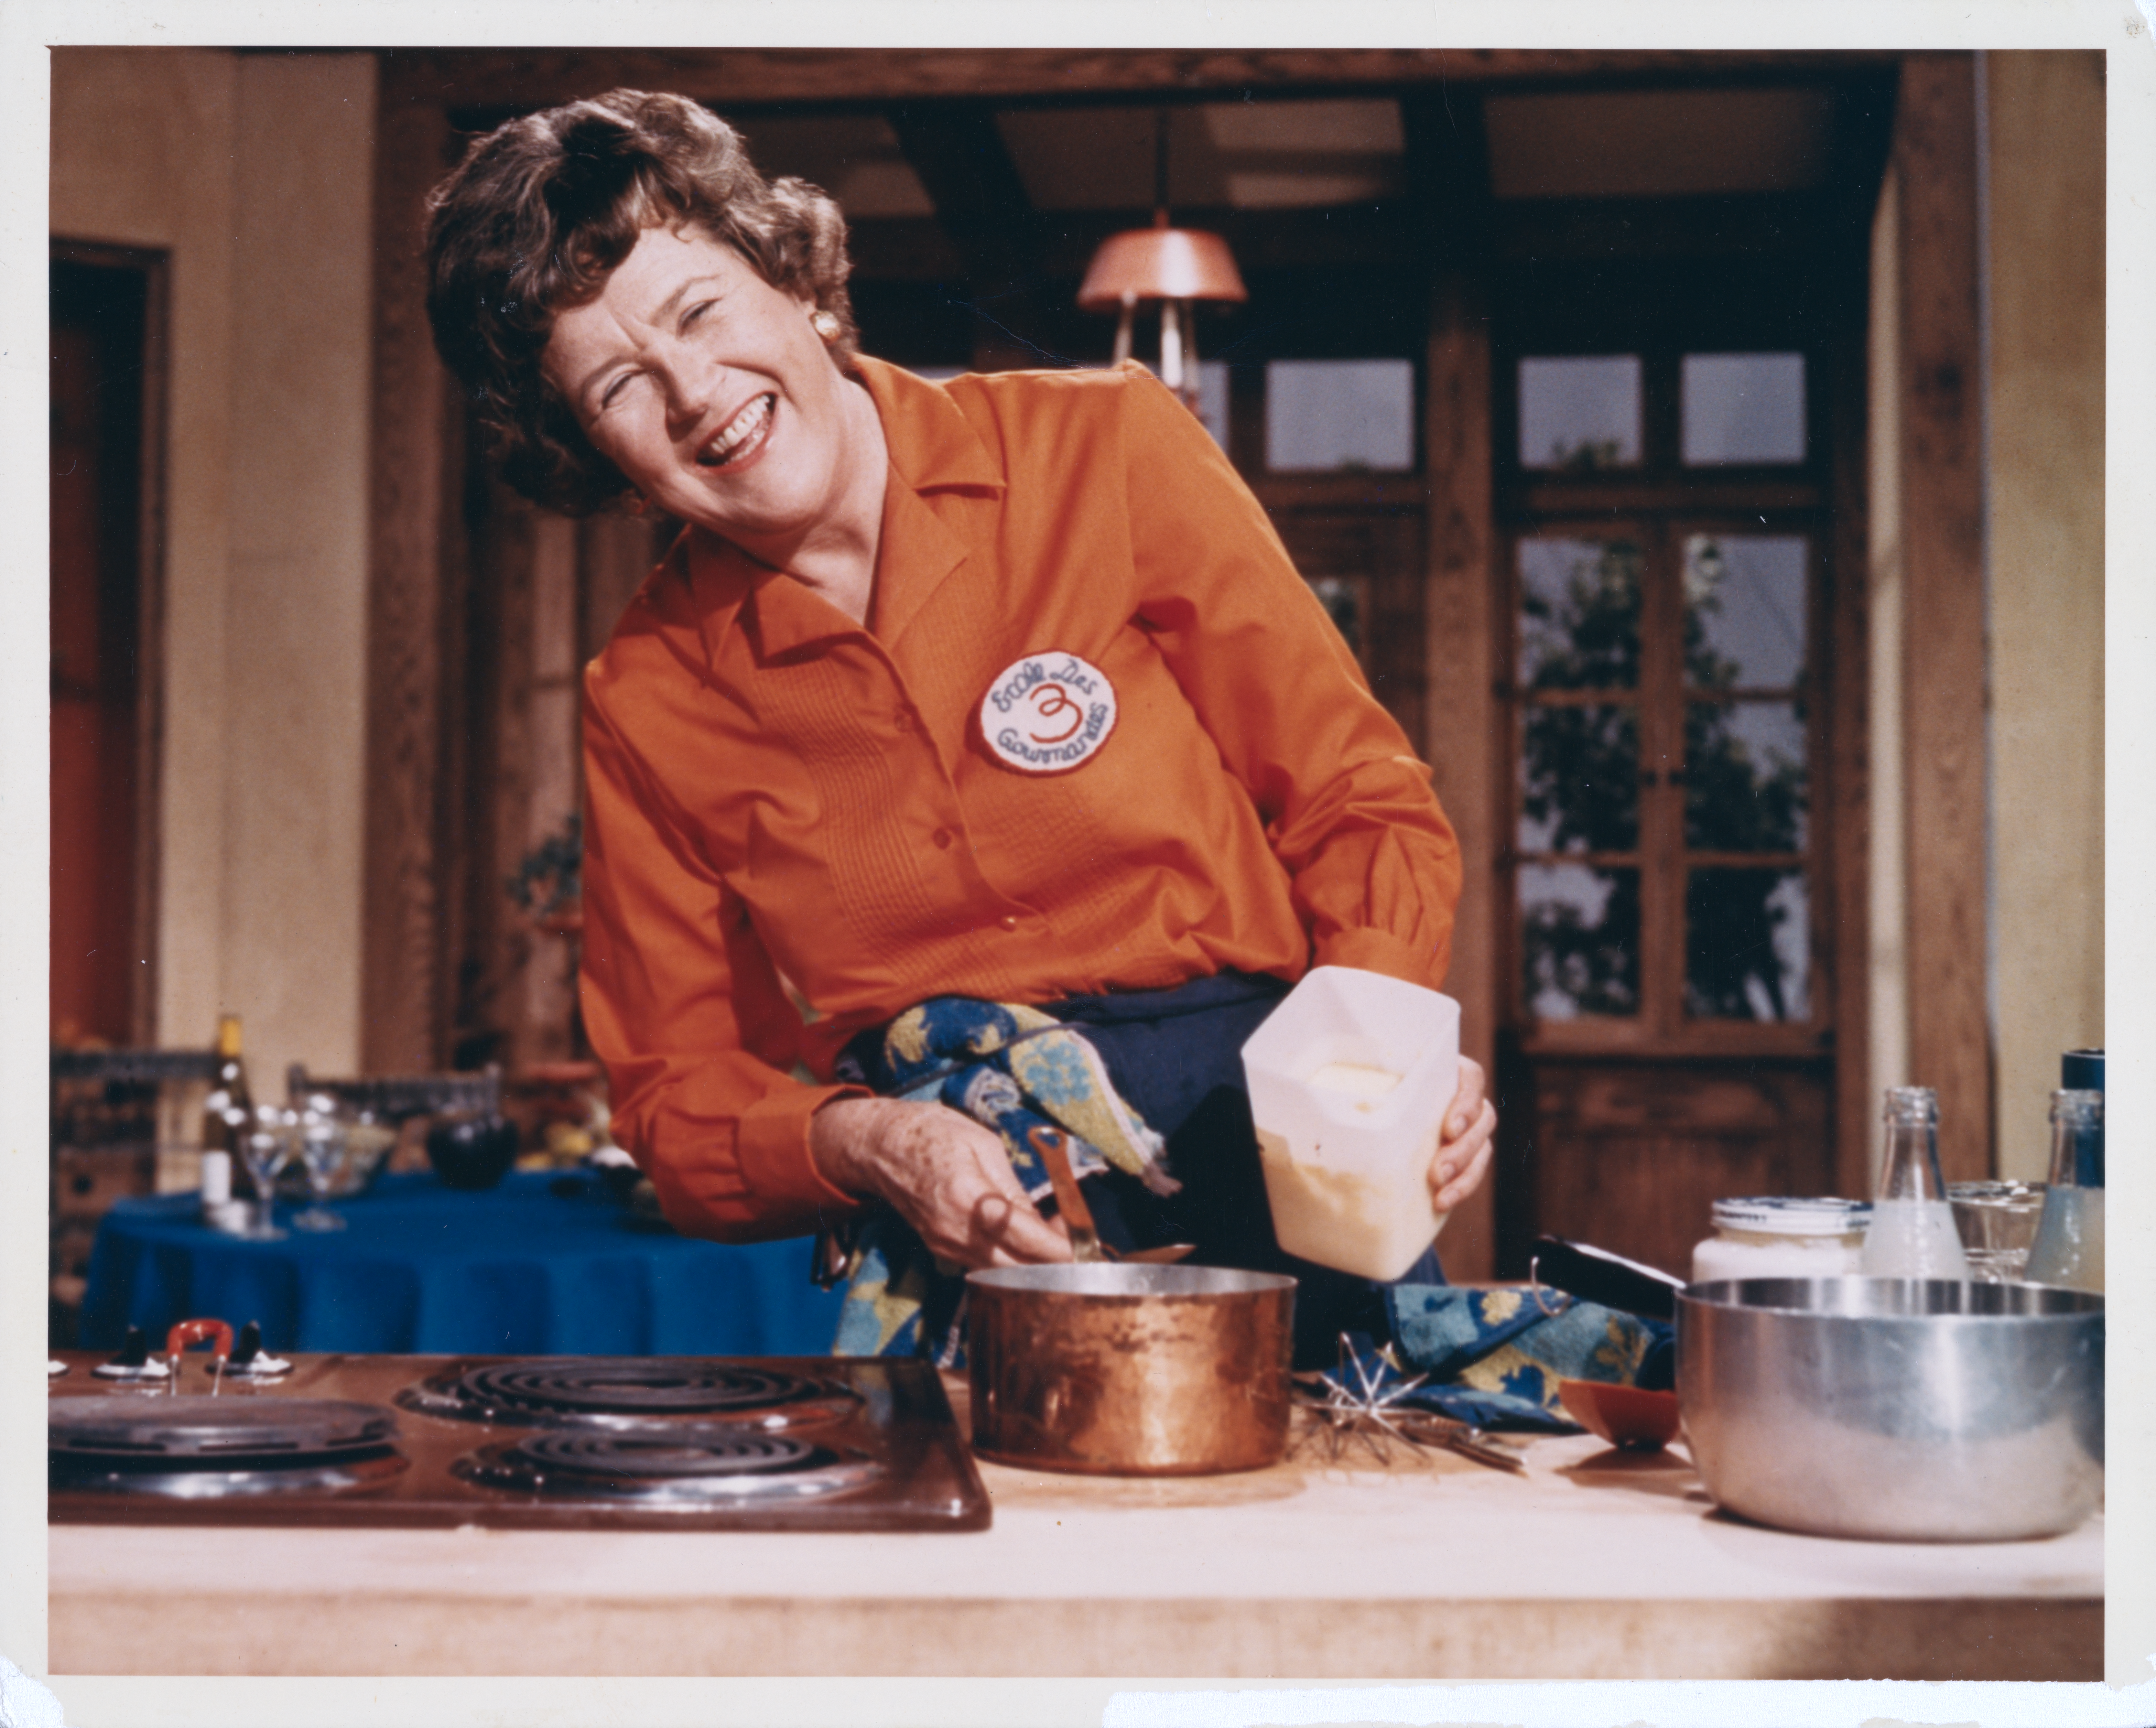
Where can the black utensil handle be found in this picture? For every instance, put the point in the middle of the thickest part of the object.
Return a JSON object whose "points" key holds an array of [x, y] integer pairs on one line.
{"points": [[1594, 1274]]}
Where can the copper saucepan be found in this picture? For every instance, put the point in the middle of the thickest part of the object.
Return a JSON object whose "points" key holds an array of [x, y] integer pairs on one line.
{"points": [[1129, 1369]]}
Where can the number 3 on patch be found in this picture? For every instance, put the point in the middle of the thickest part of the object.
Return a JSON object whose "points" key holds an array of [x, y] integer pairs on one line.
{"points": [[1047, 712]]}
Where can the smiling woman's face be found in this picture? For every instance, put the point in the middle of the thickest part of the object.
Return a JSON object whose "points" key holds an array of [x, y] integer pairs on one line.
{"points": [[709, 389]]}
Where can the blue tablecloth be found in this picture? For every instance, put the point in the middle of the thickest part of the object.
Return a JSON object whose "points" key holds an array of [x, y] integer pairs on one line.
{"points": [[517, 1271]]}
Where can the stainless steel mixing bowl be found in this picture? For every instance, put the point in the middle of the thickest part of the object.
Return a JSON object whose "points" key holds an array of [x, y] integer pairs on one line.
{"points": [[1904, 1409]]}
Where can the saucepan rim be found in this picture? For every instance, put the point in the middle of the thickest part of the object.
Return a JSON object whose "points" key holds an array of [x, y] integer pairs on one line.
{"points": [[1106, 1281]]}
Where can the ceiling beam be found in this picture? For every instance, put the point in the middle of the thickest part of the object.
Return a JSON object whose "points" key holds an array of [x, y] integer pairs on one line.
{"points": [[509, 80], [955, 149]]}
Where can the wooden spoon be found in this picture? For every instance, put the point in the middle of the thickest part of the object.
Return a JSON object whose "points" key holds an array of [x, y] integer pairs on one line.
{"points": [[1086, 1245]]}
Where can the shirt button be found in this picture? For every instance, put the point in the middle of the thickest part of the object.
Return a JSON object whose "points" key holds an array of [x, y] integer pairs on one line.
{"points": [[941, 837], [901, 721], [1009, 920]]}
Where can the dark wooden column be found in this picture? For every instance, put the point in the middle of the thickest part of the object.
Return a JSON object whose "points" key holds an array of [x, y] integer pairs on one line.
{"points": [[1943, 671], [1446, 163], [403, 1000], [1863, 137]]}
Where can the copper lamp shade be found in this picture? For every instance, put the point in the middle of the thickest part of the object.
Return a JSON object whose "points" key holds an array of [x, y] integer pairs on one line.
{"points": [[1150, 264], [1172, 267]]}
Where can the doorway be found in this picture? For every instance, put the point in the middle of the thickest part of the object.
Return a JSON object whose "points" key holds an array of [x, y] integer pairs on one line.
{"points": [[106, 413]]}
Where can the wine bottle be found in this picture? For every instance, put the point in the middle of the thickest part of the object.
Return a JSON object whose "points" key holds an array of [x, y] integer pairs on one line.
{"points": [[227, 1109]]}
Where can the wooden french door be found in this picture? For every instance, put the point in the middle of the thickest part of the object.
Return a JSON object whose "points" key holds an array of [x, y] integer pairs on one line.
{"points": [[1666, 657]]}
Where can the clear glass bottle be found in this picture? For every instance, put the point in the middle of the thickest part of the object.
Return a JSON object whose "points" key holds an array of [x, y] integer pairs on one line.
{"points": [[2069, 1245], [1912, 1233]]}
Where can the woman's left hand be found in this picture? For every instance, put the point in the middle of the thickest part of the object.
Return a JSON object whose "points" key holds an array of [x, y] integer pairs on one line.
{"points": [[1463, 1151]]}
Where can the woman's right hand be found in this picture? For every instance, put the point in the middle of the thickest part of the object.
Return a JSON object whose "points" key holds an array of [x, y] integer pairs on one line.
{"points": [[942, 1172]]}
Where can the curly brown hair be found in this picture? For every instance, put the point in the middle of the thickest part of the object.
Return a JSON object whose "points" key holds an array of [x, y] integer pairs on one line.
{"points": [[538, 215]]}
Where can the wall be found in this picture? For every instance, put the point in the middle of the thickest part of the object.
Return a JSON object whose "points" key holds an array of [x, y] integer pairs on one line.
{"points": [[252, 173], [142, 156], [2043, 262], [2045, 265]]}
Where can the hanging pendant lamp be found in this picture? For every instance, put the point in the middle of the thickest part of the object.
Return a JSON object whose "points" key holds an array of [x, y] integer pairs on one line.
{"points": [[1174, 266]]}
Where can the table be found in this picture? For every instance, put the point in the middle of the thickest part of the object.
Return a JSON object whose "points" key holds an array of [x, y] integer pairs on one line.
{"points": [[519, 1269], [1593, 1565]]}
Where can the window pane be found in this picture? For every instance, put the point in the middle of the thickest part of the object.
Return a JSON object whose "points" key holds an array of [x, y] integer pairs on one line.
{"points": [[1327, 415], [1579, 779], [1580, 413], [1743, 408], [1213, 399], [1745, 785], [1580, 940], [1341, 596], [1579, 615], [1744, 610], [1747, 942]]}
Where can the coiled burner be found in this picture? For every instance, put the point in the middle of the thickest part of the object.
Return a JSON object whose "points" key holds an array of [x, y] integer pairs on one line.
{"points": [[617, 1392], [702, 1452], [684, 1464], [203, 1448], [166, 1430]]}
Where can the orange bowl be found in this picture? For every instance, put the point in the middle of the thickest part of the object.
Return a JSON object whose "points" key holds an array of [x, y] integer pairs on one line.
{"points": [[1622, 1415]]}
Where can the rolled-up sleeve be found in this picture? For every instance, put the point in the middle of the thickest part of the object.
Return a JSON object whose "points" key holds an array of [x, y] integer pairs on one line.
{"points": [[1375, 866], [685, 1008]]}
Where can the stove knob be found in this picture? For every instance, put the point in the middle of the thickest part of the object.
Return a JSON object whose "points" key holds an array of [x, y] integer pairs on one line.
{"points": [[248, 1357], [133, 1361]]}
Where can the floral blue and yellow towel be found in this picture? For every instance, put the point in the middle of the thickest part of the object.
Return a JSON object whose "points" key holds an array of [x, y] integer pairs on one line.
{"points": [[1010, 1069], [1494, 1356]]}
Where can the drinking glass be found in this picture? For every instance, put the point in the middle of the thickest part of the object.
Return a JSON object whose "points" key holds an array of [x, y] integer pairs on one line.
{"points": [[267, 1139], [1997, 1222], [324, 1143]]}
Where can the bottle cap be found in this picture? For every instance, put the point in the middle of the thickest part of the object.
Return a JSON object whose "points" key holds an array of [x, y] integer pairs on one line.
{"points": [[1783, 1215], [2082, 1070]]}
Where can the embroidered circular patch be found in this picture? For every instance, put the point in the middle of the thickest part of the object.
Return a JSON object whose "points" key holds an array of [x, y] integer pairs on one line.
{"points": [[1047, 712]]}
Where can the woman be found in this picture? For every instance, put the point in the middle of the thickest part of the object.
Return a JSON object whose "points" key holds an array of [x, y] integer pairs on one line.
{"points": [[1002, 691]]}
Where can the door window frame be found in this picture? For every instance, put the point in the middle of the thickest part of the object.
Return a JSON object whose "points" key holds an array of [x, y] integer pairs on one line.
{"points": [[1656, 504]]}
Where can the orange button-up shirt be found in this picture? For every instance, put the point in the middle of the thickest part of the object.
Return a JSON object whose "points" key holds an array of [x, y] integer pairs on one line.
{"points": [[775, 790]]}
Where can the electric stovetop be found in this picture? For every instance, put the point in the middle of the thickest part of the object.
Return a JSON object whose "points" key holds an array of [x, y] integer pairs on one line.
{"points": [[594, 1443]]}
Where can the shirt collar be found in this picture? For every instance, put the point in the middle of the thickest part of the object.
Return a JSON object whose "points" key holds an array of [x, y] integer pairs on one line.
{"points": [[932, 443], [933, 448]]}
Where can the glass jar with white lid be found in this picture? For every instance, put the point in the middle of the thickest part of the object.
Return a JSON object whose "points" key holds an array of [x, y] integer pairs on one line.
{"points": [[1773, 1236]]}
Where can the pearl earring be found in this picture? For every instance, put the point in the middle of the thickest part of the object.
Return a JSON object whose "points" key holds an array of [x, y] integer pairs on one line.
{"points": [[826, 325]]}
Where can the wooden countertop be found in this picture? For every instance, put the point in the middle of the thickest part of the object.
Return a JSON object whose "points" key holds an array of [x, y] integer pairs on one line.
{"points": [[1593, 1565]]}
